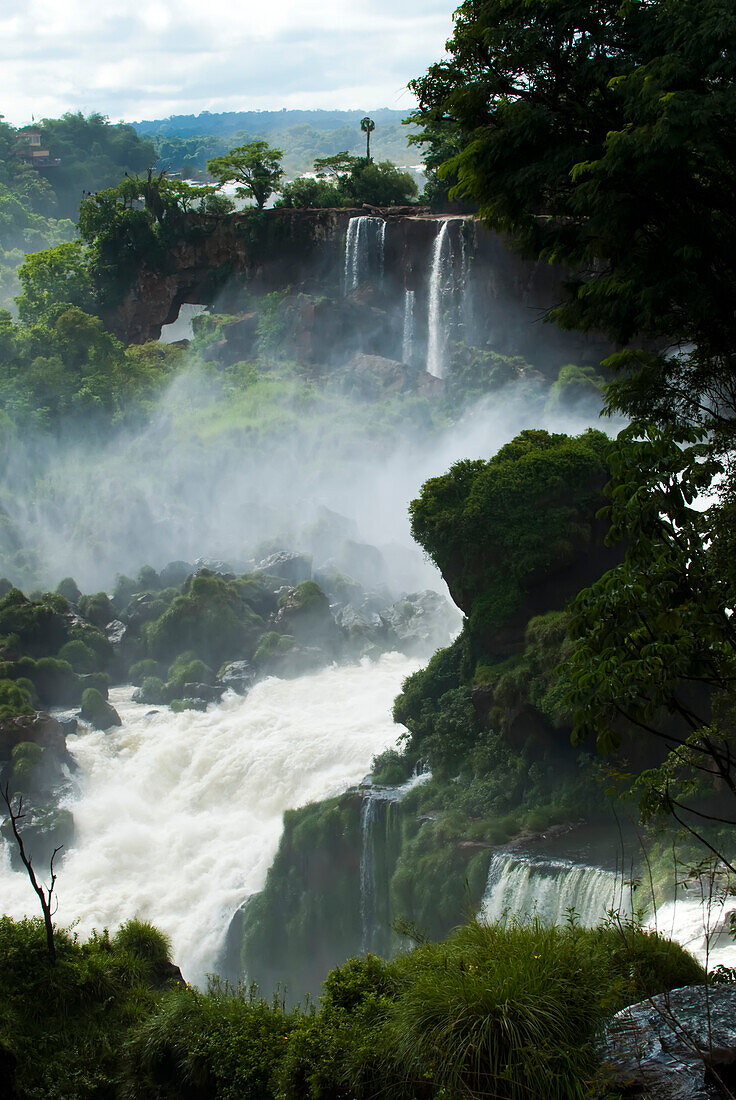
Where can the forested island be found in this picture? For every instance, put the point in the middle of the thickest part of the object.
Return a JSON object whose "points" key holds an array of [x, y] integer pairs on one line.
{"points": [[288, 431]]}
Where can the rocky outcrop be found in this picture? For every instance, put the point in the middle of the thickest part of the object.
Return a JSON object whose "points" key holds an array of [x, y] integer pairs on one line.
{"points": [[498, 297], [679, 1045]]}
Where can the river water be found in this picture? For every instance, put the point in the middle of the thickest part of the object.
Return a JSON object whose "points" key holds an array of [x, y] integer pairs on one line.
{"points": [[178, 816]]}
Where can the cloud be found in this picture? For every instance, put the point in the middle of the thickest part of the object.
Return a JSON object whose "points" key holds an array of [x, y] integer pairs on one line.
{"points": [[183, 56]]}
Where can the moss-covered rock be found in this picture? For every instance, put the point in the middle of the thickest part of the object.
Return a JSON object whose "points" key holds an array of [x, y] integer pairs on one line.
{"points": [[212, 618], [152, 691], [97, 711], [307, 918]]}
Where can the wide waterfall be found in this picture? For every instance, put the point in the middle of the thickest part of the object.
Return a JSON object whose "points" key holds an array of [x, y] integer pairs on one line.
{"points": [[556, 890], [178, 816], [525, 885], [365, 245]]}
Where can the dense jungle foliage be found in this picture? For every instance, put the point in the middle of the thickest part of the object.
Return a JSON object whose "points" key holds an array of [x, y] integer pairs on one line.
{"points": [[38, 207], [492, 1009]]}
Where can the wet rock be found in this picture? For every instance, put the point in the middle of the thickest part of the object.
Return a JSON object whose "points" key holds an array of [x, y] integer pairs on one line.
{"points": [[98, 712], [362, 561], [207, 693], [175, 573], [44, 828], [304, 614], [40, 729], [364, 629], [292, 567], [238, 676], [679, 1045], [116, 632], [420, 621], [372, 377]]}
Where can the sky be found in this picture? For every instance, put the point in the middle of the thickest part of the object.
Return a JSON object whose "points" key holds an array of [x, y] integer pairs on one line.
{"points": [[151, 60]]}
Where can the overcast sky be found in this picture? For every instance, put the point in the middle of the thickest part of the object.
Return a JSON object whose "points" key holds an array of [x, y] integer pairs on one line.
{"points": [[150, 60]]}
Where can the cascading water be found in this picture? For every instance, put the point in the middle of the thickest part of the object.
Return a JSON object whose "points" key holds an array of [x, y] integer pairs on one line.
{"points": [[178, 816], [377, 816], [701, 924], [407, 343], [436, 334], [524, 885], [365, 244], [520, 884]]}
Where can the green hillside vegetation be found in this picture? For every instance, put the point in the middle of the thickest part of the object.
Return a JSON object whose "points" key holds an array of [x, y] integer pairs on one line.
{"points": [[185, 143], [38, 207]]}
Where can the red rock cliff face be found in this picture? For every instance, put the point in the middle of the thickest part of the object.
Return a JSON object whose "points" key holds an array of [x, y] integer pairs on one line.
{"points": [[497, 298]]}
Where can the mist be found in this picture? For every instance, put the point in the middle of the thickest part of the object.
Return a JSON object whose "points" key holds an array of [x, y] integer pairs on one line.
{"points": [[184, 488]]}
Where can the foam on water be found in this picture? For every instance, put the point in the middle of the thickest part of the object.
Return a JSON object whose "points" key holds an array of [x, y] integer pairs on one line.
{"points": [[178, 816]]}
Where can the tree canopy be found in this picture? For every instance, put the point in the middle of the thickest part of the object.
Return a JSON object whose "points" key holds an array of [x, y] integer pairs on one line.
{"points": [[255, 167], [603, 136]]}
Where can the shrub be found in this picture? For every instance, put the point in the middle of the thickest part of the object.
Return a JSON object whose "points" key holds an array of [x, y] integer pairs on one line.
{"points": [[138, 672], [79, 656], [152, 691], [512, 1010], [97, 608], [66, 1024], [206, 1045], [15, 698], [69, 590], [187, 671]]}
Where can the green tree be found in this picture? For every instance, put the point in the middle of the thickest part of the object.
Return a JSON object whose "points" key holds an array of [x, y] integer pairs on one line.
{"points": [[54, 277], [367, 125], [604, 136], [255, 167], [654, 638]]}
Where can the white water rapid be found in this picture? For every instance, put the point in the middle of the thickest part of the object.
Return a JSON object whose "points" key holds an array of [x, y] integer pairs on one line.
{"points": [[436, 336], [178, 816]]}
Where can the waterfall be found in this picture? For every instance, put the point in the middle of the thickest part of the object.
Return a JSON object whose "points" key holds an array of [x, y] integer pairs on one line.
{"points": [[523, 885], [365, 244], [368, 815], [407, 345], [435, 320], [378, 816], [178, 816]]}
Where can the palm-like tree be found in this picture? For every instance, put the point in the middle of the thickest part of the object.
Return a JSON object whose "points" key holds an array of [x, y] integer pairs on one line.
{"points": [[367, 125]]}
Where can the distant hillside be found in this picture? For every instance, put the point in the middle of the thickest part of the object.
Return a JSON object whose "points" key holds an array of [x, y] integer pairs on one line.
{"points": [[185, 142]]}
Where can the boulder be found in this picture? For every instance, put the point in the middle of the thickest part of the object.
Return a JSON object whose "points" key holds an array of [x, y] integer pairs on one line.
{"points": [[207, 693], [97, 711], [238, 676], [304, 614], [679, 1045], [175, 573], [372, 377], [294, 568], [420, 621]]}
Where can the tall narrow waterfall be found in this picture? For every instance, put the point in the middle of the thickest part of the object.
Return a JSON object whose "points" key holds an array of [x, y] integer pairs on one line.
{"points": [[378, 821], [524, 885], [436, 337], [364, 250], [407, 344]]}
